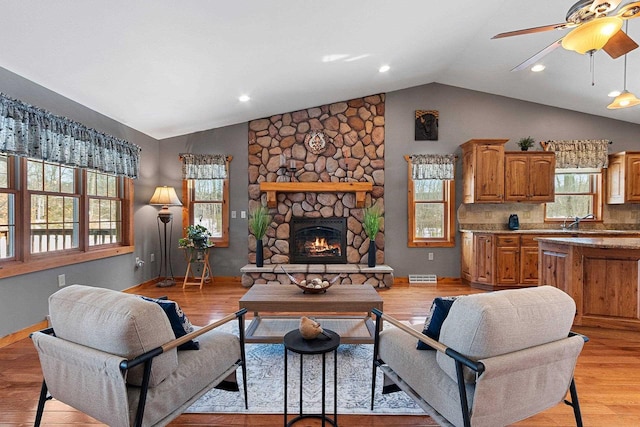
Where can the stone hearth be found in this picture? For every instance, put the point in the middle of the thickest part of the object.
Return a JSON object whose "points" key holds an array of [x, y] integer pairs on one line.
{"points": [[279, 153], [378, 276]]}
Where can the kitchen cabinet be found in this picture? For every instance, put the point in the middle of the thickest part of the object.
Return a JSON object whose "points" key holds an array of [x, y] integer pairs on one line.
{"points": [[600, 274], [503, 260], [466, 259], [484, 259], [483, 170], [507, 260], [495, 260], [530, 177], [623, 178]]}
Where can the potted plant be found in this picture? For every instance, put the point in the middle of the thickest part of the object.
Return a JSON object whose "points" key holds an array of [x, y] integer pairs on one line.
{"points": [[371, 224], [259, 220], [526, 143], [197, 237]]}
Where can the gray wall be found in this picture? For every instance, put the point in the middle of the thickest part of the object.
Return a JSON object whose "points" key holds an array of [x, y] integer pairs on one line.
{"points": [[464, 115], [231, 141], [23, 299]]}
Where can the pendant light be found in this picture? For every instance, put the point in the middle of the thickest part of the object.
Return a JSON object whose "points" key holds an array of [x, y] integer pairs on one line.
{"points": [[625, 99]]}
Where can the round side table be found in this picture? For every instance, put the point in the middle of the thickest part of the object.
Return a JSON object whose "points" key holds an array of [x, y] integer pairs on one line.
{"points": [[324, 344]]}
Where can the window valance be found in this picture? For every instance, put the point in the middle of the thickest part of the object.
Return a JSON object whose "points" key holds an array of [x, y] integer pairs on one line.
{"points": [[29, 131], [204, 166], [433, 166], [588, 153]]}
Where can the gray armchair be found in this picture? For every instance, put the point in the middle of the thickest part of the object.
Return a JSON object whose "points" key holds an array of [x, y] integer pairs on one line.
{"points": [[114, 357], [501, 357]]}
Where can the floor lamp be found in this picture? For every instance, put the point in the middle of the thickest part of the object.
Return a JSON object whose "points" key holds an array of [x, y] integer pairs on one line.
{"points": [[165, 196]]}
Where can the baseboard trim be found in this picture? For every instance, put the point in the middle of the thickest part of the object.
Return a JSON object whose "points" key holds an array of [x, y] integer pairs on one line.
{"points": [[404, 281], [23, 333]]}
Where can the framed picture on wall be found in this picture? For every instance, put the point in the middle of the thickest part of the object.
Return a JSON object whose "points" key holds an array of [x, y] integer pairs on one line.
{"points": [[427, 125]]}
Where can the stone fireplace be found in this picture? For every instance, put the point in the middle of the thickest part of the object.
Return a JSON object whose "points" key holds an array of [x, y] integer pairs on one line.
{"points": [[318, 240], [330, 146]]}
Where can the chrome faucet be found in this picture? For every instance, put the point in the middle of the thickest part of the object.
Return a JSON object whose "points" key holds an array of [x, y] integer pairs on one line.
{"points": [[576, 223]]}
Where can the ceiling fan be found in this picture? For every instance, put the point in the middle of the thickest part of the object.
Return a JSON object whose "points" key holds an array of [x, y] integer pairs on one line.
{"points": [[594, 24]]}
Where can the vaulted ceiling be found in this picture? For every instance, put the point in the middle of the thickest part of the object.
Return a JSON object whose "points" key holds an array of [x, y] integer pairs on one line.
{"points": [[168, 68]]}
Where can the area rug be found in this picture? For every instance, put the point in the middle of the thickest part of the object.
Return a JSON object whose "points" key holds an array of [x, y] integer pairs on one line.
{"points": [[265, 376]]}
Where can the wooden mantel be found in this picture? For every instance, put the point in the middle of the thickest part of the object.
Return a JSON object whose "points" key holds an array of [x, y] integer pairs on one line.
{"points": [[272, 188]]}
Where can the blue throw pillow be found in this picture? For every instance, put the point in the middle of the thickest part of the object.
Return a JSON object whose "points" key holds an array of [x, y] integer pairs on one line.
{"points": [[432, 325], [179, 321]]}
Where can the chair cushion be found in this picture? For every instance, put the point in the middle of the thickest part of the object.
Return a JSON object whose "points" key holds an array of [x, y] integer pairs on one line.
{"points": [[437, 314], [114, 322], [486, 325], [179, 321]]}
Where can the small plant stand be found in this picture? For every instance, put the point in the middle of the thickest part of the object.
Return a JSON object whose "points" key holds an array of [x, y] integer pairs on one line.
{"points": [[194, 257]]}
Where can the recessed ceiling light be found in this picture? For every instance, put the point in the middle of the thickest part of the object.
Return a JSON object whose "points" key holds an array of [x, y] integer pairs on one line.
{"points": [[384, 68], [537, 68], [613, 93], [244, 98]]}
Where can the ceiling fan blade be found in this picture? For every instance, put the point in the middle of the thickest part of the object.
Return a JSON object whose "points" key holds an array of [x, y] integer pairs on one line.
{"points": [[534, 30], [538, 56], [629, 10], [619, 44]]}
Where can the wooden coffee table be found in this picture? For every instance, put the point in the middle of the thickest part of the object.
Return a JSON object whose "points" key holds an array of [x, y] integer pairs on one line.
{"points": [[345, 309]]}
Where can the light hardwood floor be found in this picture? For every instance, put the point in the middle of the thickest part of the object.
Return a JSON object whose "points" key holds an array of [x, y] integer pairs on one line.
{"points": [[607, 375]]}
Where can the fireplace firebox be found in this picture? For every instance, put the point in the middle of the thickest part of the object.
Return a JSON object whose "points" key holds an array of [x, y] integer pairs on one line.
{"points": [[318, 240]]}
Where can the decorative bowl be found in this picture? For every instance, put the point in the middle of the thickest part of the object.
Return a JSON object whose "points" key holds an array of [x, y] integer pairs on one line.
{"points": [[314, 286]]}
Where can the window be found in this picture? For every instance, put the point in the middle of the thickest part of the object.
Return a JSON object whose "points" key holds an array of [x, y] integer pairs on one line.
{"points": [[207, 204], [431, 211], [65, 212], [577, 195], [55, 203], [205, 192], [105, 208], [7, 211]]}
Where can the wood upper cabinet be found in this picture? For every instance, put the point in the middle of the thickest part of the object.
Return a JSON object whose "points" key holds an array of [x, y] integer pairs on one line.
{"points": [[529, 177], [483, 170], [623, 178]]}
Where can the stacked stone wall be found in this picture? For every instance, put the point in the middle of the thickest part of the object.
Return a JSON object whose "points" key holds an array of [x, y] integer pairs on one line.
{"points": [[355, 135]]}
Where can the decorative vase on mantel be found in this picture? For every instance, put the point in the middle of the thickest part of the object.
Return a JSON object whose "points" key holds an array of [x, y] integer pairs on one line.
{"points": [[371, 260], [259, 254]]}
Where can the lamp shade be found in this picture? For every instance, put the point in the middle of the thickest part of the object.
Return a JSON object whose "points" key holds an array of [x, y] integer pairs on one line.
{"points": [[165, 196], [624, 100], [592, 35]]}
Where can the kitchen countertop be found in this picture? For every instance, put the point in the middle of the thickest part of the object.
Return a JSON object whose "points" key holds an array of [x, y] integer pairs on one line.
{"points": [[556, 231], [595, 242]]}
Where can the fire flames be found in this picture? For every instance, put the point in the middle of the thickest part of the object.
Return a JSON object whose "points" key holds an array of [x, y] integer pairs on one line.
{"points": [[320, 246]]}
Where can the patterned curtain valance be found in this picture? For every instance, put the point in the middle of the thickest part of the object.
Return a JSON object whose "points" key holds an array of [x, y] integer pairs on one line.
{"points": [[588, 153], [204, 166], [29, 131], [433, 166]]}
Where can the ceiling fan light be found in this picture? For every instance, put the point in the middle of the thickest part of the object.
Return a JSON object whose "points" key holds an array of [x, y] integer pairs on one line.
{"points": [[624, 100], [592, 35]]}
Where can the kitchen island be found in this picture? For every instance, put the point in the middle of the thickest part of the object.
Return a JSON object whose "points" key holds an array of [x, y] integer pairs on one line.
{"points": [[600, 273]]}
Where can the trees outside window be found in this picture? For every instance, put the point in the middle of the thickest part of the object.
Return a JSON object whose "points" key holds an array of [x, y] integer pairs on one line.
{"points": [[576, 195], [66, 213], [430, 212]]}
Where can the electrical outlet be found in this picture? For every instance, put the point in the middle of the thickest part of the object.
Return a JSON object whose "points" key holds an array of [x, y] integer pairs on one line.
{"points": [[430, 256], [152, 257], [61, 280], [233, 214], [243, 214]]}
